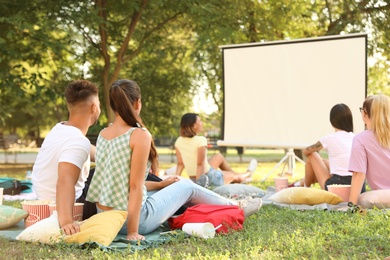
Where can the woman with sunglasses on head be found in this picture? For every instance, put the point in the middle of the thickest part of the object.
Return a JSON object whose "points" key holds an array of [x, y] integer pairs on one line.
{"points": [[370, 155]]}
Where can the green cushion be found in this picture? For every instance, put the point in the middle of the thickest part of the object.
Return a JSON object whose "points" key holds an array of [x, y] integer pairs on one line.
{"points": [[9, 216]]}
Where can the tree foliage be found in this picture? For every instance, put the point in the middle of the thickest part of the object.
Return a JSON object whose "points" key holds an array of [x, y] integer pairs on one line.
{"points": [[171, 48]]}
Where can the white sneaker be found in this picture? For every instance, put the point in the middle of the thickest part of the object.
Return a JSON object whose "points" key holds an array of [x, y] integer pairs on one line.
{"points": [[203, 181], [252, 166], [250, 206]]}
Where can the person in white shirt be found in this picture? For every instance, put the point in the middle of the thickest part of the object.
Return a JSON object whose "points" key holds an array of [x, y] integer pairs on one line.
{"points": [[63, 162], [333, 170]]}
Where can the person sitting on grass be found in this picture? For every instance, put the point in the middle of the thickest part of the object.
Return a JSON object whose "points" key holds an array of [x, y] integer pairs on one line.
{"points": [[61, 171], [125, 154], [338, 145], [370, 155], [191, 153]]}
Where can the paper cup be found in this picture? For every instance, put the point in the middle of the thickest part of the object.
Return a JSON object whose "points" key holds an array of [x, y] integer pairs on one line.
{"points": [[341, 190], [37, 210], [204, 230], [281, 183], [1, 196], [77, 210]]}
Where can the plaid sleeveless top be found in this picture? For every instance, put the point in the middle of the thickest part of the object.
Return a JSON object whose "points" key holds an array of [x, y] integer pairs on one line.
{"points": [[110, 183]]}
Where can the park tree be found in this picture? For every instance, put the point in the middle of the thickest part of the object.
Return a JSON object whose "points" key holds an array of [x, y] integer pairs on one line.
{"points": [[169, 47], [34, 64], [366, 16]]}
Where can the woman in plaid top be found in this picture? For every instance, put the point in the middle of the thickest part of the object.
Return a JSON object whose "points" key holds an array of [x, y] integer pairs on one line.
{"points": [[125, 153]]}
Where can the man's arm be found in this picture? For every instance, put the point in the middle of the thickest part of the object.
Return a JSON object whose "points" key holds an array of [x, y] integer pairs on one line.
{"points": [[68, 175]]}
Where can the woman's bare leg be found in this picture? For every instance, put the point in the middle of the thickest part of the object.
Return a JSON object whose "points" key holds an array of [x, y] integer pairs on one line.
{"points": [[218, 161], [233, 177], [316, 170]]}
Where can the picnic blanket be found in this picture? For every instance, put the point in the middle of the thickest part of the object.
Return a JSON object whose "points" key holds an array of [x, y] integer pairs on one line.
{"points": [[163, 233], [120, 243]]}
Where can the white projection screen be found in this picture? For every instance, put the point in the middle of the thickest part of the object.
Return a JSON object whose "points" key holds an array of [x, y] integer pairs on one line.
{"points": [[279, 94]]}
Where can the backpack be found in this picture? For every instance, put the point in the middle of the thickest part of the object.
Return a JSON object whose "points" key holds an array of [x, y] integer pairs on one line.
{"points": [[230, 216], [11, 186]]}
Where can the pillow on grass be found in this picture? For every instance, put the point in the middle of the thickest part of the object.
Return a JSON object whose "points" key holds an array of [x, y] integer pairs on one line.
{"points": [[307, 196], [230, 190], [375, 198], [101, 228], [9, 216], [45, 231]]}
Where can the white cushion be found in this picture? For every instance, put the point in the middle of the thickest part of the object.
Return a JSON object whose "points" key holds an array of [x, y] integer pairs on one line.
{"points": [[375, 198], [231, 190], [45, 231]]}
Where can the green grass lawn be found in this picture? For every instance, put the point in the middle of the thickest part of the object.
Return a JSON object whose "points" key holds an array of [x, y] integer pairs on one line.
{"points": [[271, 233]]}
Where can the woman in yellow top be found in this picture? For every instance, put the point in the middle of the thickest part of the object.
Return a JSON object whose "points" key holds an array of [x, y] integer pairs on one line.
{"points": [[191, 153]]}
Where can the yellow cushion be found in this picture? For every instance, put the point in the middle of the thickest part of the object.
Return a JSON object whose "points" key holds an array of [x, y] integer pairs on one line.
{"points": [[101, 228], [307, 196]]}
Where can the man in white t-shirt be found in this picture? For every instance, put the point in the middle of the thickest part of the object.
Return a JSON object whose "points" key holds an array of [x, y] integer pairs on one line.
{"points": [[63, 162]]}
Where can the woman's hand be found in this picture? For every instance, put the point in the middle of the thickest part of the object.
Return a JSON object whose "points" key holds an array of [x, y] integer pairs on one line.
{"points": [[135, 236], [169, 180], [71, 228]]}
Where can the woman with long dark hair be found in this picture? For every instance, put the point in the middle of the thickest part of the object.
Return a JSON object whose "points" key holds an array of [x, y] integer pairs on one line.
{"points": [[125, 154], [333, 170]]}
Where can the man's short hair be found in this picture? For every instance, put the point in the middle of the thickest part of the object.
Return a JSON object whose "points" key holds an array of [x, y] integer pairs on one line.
{"points": [[80, 90]]}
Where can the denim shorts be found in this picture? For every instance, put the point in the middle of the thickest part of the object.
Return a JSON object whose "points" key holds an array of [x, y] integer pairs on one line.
{"points": [[338, 179], [215, 177]]}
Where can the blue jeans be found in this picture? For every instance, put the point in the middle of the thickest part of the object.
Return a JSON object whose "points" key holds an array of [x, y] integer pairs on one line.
{"points": [[161, 205], [215, 177]]}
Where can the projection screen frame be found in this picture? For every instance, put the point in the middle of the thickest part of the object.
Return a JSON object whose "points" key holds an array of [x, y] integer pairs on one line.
{"points": [[285, 145]]}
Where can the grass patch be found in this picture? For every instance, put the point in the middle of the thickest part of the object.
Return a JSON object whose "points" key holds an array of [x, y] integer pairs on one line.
{"points": [[271, 233]]}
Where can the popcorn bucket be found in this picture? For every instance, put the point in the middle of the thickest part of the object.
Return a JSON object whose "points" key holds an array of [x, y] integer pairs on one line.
{"points": [[341, 190], [281, 183], [37, 210], [77, 210]]}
